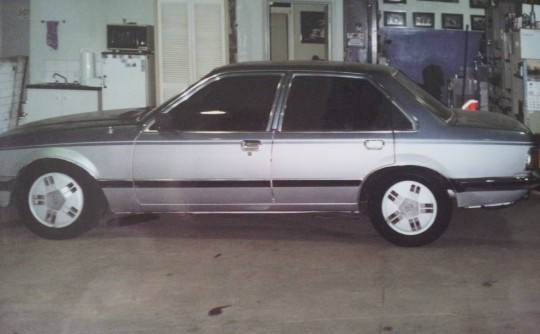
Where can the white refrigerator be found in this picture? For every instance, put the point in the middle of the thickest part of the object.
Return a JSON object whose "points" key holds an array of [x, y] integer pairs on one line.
{"points": [[128, 80]]}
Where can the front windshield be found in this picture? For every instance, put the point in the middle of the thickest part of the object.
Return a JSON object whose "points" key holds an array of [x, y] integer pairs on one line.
{"points": [[434, 105]]}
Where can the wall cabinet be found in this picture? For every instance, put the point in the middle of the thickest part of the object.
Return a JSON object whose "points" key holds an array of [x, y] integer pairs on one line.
{"points": [[47, 103]]}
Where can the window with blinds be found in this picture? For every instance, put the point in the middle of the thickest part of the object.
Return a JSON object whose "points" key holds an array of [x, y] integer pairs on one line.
{"points": [[192, 40]]}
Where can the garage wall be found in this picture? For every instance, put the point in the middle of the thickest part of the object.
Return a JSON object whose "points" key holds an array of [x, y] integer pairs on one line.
{"points": [[14, 28], [82, 26], [436, 7], [251, 29]]}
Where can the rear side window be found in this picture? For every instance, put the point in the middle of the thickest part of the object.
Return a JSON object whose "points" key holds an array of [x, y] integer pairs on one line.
{"points": [[235, 103], [327, 103]]}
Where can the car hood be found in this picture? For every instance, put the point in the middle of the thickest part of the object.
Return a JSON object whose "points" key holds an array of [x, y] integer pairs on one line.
{"points": [[489, 120], [91, 119], [97, 126]]}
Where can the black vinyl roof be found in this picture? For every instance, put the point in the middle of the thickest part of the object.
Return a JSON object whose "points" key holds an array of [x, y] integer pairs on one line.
{"points": [[314, 65]]}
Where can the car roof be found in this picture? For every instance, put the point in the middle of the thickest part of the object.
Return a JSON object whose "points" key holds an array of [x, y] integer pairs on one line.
{"points": [[314, 65]]}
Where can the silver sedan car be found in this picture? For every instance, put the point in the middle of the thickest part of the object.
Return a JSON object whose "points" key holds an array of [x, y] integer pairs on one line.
{"points": [[272, 137]]}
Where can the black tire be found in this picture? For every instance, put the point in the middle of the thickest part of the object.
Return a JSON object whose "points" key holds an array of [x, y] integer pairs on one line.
{"points": [[58, 201], [410, 209]]}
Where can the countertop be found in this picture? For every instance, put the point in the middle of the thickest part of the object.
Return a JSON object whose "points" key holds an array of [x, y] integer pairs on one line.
{"points": [[59, 85]]}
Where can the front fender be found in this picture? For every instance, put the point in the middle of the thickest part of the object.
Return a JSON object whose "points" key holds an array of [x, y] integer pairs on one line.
{"points": [[58, 153]]}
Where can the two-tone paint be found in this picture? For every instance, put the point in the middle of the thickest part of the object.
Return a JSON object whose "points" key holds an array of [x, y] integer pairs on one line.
{"points": [[481, 156]]}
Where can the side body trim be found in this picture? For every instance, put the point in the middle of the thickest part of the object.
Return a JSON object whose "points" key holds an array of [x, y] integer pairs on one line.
{"points": [[225, 183]]}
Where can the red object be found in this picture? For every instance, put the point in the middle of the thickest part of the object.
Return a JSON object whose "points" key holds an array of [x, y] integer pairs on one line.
{"points": [[470, 105]]}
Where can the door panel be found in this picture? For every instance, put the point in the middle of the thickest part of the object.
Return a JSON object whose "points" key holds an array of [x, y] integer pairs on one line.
{"points": [[185, 170], [328, 170], [215, 153], [334, 131]]}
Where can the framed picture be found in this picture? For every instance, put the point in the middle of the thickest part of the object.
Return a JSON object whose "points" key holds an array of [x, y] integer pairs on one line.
{"points": [[452, 21], [478, 22], [424, 20], [395, 19], [313, 27], [479, 3], [395, 1], [451, 1]]}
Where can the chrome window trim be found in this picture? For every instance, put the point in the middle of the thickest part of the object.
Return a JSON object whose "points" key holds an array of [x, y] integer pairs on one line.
{"points": [[211, 79], [288, 84]]}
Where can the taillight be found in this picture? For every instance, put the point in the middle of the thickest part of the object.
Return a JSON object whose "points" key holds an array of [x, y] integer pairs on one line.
{"points": [[532, 159]]}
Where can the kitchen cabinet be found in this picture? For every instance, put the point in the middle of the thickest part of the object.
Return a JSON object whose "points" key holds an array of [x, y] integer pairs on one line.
{"points": [[46, 102]]}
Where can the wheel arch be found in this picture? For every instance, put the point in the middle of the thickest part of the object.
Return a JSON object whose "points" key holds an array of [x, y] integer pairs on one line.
{"points": [[374, 178], [48, 161]]}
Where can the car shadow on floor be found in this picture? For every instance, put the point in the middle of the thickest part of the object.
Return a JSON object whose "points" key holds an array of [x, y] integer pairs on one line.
{"points": [[505, 227]]}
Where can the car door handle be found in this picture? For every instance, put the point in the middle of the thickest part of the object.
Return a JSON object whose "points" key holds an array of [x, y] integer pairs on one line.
{"points": [[250, 145], [374, 144]]}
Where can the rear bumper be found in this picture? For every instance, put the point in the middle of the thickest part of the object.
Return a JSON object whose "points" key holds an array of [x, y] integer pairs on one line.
{"points": [[486, 192], [497, 183]]}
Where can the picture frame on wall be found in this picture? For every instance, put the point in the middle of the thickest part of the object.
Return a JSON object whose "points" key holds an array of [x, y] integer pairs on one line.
{"points": [[312, 26], [424, 20], [478, 22], [450, 1], [479, 3], [452, 21], [395, 19]]}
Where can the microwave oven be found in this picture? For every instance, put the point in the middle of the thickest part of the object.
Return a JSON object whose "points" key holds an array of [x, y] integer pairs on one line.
{"points": [[130, 37]]}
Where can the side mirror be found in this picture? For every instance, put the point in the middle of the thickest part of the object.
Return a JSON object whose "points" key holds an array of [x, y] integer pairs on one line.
{"points": [[163, 122]]}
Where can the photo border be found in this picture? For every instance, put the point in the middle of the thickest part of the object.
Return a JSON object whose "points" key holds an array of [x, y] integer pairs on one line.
{"points": [[310, 22], [401, 2], [479, 3], [416, 15], [476, 25], [402, 15], [445, 17]]}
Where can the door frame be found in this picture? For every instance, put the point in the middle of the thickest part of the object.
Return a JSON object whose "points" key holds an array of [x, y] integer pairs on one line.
{"points": [[335, 26]]}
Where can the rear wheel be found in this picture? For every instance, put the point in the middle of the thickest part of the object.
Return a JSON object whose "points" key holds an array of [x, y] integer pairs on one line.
{"points": [[410, 209], [59, 202]]}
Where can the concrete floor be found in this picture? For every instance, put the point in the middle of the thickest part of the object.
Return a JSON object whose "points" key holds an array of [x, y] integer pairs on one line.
{"points": [[309, 273]]}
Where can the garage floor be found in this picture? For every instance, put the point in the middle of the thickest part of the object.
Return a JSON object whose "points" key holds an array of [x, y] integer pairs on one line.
{"points": [[309, 273]]}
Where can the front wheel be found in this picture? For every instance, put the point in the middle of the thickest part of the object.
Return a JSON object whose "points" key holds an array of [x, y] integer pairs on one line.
{"points": [[410, 210], [59, 202]]}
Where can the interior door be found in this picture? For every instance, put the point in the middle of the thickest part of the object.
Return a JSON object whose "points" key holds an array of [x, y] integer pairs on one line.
{"points": [[216, 153], [335, 130], [279, 36]]}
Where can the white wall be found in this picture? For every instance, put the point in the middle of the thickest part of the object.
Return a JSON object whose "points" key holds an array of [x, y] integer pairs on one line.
{"points": [[14, 28], [436, 7], [250, 18], [84, 28], [1, 11]]}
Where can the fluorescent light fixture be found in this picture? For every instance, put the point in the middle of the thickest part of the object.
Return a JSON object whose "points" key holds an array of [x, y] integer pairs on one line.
{"points": [[213, 112]]}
